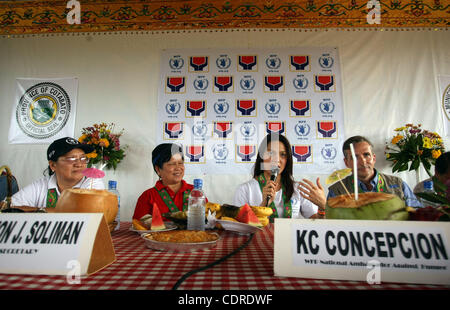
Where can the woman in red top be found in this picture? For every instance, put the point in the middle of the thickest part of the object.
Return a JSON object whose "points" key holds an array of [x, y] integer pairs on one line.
{"points": [[171, 192]]}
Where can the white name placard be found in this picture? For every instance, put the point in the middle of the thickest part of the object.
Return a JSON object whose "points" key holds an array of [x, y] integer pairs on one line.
{"points": [[373, 251], [53, 243]]}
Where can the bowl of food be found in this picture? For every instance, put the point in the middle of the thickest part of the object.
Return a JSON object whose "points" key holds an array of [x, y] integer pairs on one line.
{"points": [[181, 240]]}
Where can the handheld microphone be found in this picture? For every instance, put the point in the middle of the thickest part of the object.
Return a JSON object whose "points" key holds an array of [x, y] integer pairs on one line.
{"points": [[273, 176]]}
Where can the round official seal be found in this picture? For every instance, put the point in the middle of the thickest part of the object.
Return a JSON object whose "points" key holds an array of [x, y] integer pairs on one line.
{"points": [[446, 102], [43, 110]]}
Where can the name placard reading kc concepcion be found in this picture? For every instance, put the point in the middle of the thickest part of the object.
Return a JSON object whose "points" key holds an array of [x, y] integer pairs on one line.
{"points": [[400, 251], [50, 243]]}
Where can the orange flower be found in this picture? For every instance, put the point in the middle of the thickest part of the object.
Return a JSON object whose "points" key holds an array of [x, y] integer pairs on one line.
{"points": [[91, 155], [419, 152], [436, 153], [103, 142], [396, 139]]}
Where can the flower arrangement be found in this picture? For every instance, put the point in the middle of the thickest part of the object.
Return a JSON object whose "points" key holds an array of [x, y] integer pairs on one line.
{"points": [[107, 149], [413, 146]]}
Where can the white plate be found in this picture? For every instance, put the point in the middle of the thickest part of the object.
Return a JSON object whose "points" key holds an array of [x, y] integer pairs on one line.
{"points": [[238, 227], [169, 226]]}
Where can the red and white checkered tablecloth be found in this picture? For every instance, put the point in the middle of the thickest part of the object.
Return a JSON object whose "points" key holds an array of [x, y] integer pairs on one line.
{"points": [[140, 268]]}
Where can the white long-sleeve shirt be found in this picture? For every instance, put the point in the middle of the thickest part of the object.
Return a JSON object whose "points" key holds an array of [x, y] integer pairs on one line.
{"points": [[35, 194], [250, 193]]}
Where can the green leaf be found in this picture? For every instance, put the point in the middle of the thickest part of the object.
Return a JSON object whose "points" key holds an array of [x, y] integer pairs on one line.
{"points": [[433, 198], [415, 164]]}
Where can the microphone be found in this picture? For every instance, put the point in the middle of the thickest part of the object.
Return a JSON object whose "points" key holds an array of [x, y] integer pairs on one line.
{"points": [[273, 176]]}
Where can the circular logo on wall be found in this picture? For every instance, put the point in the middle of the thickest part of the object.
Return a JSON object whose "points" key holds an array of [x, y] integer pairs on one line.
{"points": [[43, 110], [446, 101]]}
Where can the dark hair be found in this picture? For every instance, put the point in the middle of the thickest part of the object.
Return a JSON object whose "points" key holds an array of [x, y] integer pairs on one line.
{"points": [[353, 140], [164, 152], [442, 163], [287, 179]]}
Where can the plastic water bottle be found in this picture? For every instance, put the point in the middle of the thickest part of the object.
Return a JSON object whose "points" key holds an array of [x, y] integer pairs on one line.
{"points": [[112, 187], [196, 207]]}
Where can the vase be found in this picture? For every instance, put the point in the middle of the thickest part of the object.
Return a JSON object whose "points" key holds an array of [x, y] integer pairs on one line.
{"points": [[418, 177]]}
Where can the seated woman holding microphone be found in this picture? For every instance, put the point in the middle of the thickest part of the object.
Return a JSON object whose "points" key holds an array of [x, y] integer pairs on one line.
{"points": [[272, 184]]}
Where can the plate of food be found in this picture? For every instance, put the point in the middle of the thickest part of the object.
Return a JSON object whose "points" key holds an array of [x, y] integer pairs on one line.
{"points": [[181, 240], [144, 225], [238, 227]]}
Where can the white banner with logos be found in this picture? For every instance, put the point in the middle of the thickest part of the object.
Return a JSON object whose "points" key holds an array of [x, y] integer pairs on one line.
{"points": [[44, 110], [372, 251], [219, 105], [444, 101]]}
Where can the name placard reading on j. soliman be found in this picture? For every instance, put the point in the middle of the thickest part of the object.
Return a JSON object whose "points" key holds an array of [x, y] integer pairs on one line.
{"points": [[39, 243]]}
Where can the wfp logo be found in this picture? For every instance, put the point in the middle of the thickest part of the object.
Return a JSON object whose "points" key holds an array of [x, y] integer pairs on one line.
{"points": [[173, 108], [272, 107], [300, 82], [220, 151], [326, 61], [326, 107], [221, 107], [328, 152], [223, 62], [248, 130], [199, 129], [247, 83], [201, 83], [176, 63], [302, 130], [273, 62]]}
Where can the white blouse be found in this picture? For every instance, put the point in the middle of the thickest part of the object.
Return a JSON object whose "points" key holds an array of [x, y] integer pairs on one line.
{"points": [[250, 193], [35, 194]]}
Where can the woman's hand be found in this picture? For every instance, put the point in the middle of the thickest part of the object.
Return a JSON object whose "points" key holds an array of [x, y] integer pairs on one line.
{"points": [[269, 190], [313, 192]]}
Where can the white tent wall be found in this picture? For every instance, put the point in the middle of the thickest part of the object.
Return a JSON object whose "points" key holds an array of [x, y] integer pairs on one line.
{"points": [[389, 79]]}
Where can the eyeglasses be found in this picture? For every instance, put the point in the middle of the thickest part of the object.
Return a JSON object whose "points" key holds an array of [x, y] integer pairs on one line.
{"points": [[73, 159]]}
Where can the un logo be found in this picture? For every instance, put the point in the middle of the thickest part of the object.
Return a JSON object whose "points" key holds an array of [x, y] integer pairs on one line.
{"points": [[199, 129], [221, 107], [247, 83], [220, 151], [201, 84], [272, 107], [176, 63], [302, 130], [248, 130], [300, 82], [173, 108], [326, 61], [223, 62], [273, 62], [329, 153], [326, 107]]}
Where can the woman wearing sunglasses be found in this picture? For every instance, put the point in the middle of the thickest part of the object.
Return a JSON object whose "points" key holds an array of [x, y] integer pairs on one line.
{"points": [[66, 161]]}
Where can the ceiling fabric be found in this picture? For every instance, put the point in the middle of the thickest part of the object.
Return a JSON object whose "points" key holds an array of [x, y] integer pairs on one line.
{"points": [[50, 17]]}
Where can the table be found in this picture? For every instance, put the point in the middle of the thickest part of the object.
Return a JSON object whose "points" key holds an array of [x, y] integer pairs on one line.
{"points": [[140, 268]]}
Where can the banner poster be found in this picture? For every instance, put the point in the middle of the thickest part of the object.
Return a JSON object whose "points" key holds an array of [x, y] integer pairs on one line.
{"points": [[44, 110], [444, 100], [220, 104]]}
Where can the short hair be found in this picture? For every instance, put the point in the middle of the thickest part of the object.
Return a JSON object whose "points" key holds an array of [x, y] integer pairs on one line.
{"points": [[164, 152], [353, 140], [442, 163]]}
